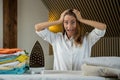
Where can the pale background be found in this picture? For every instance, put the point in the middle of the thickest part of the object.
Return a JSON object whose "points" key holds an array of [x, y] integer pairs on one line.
{"points": [[30, 12]]}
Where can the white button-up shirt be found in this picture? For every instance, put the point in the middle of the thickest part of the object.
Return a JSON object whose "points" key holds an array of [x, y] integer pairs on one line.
{"points": [[68, 56]]}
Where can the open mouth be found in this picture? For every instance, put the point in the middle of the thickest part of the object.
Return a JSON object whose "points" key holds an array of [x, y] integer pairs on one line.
{"points": [[70, 30]]}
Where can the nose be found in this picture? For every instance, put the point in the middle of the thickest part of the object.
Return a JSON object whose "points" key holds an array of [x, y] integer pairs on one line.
{"points": [[69, 26]]}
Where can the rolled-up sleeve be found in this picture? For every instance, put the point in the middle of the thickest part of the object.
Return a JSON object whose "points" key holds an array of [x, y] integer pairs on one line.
{"points": [[42, 33], [46, 35], [95, 35]]}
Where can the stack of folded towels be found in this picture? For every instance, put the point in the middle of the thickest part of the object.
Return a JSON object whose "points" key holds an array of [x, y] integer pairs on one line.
{"points": [[102, 66], [13, 61]]}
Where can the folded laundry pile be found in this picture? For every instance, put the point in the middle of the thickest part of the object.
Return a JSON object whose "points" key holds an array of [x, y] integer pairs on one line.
{"points": [[13, 61], [102, 66]]}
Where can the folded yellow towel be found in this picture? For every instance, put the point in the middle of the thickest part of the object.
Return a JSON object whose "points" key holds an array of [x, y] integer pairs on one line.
{"points": [[20, 58]]}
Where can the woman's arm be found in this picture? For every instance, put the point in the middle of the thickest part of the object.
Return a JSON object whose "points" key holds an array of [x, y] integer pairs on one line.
{"points": [[43, 25], [94, 24]]}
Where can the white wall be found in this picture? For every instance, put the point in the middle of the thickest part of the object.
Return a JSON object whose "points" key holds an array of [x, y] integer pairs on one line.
{"points": [[31, 12], [1, 23]]}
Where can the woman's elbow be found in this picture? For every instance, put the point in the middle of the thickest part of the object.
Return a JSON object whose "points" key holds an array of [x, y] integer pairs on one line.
{"points": [[105, 26], [37, 28]]}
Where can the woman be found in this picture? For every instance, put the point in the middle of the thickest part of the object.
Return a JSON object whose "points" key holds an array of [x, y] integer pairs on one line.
{"points": [[73, 45]]}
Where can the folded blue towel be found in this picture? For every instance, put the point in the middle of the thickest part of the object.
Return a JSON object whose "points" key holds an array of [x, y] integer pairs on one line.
{"points": [[19, 70], [7, 58]]}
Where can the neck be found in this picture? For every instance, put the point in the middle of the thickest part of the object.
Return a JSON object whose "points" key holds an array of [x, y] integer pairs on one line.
{"points": [[68, 36]]}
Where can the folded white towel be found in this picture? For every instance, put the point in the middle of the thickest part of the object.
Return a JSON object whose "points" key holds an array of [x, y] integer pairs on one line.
{"points": [[17, 54], [10, 64], [112, 62]]}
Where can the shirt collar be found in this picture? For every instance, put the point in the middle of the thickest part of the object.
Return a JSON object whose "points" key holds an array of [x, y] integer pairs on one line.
{"points": [[66, 38]]}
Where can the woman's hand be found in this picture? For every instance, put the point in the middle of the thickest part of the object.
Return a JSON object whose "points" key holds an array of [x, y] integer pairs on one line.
{"points": [[78, 15], [94, 24], [62, 15]]}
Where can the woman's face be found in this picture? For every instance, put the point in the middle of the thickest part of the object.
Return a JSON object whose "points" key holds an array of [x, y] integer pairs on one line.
{"points": [[69, 25]]}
